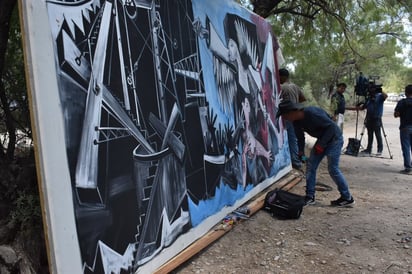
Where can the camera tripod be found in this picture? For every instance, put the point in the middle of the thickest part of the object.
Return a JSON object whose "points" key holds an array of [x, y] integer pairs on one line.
{"points": [[384, 135]]}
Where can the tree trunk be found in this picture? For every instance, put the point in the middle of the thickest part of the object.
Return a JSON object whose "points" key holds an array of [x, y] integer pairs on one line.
{"points": [[6, 10]]}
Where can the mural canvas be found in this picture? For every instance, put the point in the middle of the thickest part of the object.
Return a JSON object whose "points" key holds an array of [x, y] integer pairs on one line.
{"points": [[154, 120]]}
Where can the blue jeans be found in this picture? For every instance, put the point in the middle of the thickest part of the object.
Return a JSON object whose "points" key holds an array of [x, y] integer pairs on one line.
{"points": [[406, 142], [293, 145], [332, 152]]}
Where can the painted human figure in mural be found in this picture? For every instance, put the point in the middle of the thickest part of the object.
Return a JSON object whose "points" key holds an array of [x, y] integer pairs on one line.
{"points": [[235, 64], [252, 148], [238, 73]]}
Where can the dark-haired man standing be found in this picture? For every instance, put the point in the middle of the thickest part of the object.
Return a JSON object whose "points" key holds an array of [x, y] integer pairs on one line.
{"points": [[337, 104], [373, 120], [403, 110], [296, 136]]}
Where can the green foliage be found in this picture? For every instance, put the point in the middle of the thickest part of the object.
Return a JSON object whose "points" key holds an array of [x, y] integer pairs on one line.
{"points": [[394, 83], [310, 99], [331, 42], [13, 80], [27, 210]]}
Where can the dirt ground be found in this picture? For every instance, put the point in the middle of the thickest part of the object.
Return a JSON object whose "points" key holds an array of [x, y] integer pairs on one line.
{"points": [[375, 236]]}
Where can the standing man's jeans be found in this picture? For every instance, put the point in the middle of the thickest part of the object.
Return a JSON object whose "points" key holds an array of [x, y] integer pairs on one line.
{"points": [[300, 135], [332, 152], [293, 145], [374, 127], [406, 144]]}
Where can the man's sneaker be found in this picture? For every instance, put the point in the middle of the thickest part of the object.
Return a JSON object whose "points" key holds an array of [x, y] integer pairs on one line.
{"points": [[406, 171], [366, 152], [309, 200], [379, 153], [342, 202]]}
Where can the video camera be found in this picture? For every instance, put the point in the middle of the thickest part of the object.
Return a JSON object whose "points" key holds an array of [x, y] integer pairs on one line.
{"points": [[374, 88], [365, 87], [362, 85]]}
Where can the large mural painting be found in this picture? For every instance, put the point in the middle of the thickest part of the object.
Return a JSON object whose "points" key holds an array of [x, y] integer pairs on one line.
{"points": [[169, 121]]}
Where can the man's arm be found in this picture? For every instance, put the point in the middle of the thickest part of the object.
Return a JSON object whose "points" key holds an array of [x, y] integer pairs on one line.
{"points": [[397, 112], [353, 108], [299, 92]]}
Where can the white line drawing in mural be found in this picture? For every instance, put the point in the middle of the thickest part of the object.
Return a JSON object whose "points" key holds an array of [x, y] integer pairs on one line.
{"points": [[150, 156], [96, 39]]}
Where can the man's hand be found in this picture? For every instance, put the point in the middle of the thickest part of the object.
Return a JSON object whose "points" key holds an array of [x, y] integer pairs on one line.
{"points": [[318, 149]]}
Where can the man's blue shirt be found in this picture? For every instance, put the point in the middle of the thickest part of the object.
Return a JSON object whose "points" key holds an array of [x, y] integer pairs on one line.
{"points": [[374, 106], [318, 124]]}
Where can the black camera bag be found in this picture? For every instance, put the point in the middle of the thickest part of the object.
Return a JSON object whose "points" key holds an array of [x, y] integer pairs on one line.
{"points": [[353, 147], [283, 204]]}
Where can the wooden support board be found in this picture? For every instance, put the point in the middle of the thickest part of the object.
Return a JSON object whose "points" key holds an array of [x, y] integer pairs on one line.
{"points": [[292, 183], [286, 183]]}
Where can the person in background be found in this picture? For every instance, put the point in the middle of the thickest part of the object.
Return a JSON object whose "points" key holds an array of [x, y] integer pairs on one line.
{"points": [[317, 123], [296, 137], [373, 120], [337, 105], [403, 110]]}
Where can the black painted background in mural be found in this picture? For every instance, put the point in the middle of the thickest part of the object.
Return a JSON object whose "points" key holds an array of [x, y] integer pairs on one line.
{"points": [[110, 213]]}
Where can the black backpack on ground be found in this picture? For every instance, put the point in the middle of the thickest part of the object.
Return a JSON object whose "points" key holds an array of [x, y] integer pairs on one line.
{"points": [[353, 147], [283, 204]]}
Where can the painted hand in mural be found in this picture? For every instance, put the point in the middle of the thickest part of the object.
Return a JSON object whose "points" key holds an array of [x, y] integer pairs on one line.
{"points": [[199, 30], [231, 140], [211, 139]]}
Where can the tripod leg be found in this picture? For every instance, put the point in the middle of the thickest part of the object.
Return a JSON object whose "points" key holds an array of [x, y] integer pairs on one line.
{"points": [[386, 140], [356, 128], [362, 132]]}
